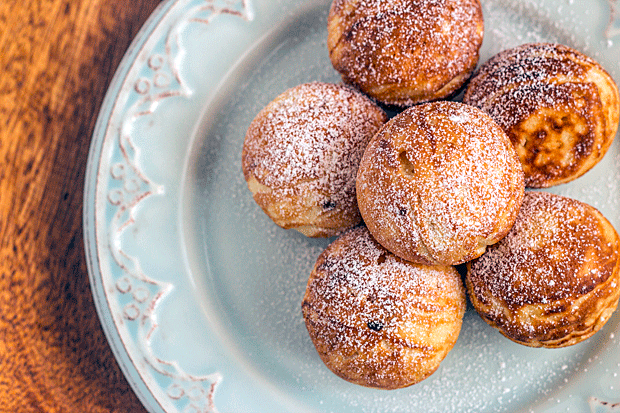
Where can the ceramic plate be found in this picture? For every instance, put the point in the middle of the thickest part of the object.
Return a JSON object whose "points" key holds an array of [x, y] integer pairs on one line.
{"points": [[199, 292]]}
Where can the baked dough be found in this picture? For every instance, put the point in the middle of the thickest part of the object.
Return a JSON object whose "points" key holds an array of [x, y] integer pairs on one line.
{"points": [[559, 107], [438, 183], [555, 279], [379, 321], [301, 154], [403, 52]]}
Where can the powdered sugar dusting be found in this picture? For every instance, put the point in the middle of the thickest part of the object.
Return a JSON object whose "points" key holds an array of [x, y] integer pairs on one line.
{"points": [[378, 320], [360, 270], [314, 132], [263, 269], [558, 106], [542, 257], [443, 178], [403, 52], [517, 81], [305, 147]]}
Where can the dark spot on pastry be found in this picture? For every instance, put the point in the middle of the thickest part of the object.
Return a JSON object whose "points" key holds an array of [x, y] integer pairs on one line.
{"points": [[381, 258], [556, 309], [349, 34], [375, 325], [327, 205], [402, 212]]}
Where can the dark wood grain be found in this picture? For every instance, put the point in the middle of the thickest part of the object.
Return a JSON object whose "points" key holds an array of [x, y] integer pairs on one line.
{"points": [[57, 58]]}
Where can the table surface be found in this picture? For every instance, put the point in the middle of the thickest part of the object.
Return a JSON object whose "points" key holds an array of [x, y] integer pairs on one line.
{"points": [[57, 59]]}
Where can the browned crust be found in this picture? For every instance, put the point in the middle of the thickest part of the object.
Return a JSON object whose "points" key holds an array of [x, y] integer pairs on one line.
{"points": [[301, 153], [555, 279], [376, 320], [405, 52], [438, 183], [559, 107]]}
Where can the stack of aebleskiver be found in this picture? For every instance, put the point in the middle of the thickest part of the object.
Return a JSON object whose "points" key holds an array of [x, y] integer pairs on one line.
{"points": [[441, 183]]}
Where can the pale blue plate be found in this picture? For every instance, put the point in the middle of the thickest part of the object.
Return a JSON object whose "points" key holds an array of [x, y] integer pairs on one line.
{"points": [[199, 292]]}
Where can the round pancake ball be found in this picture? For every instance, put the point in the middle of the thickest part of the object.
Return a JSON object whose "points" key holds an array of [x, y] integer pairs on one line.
{"points": [[438, 183], [403, 52], [554, 280], [301, 154], [377, 320], [559, 107]]}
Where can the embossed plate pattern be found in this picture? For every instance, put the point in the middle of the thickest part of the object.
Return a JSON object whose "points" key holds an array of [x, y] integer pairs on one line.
{"points": [[198, 291]]}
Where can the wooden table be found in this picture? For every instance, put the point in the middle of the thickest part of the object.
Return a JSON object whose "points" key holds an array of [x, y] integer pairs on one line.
{"points": [[57, 58]]}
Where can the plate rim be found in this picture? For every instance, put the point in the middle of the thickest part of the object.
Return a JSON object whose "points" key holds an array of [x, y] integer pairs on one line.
{"points": [[91, 182], [127, 365]]}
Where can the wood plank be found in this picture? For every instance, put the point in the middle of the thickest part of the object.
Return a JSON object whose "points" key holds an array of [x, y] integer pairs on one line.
{"points": [[57, 59]]}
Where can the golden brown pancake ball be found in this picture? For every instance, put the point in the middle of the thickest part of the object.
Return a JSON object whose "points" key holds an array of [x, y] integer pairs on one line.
{"points": [[301, 154], [438, 183], [554, 280], [559, 107], [403, 52], [377, 320]]}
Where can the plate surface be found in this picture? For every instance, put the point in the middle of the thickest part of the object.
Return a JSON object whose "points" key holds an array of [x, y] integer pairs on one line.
{"points": [[199, 292]]}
